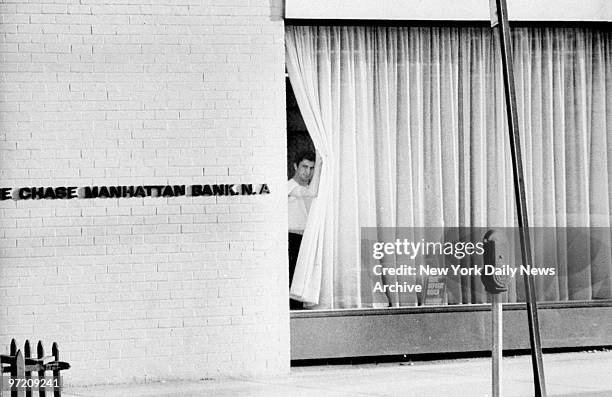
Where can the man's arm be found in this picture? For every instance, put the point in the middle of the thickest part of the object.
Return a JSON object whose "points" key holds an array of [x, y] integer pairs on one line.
{"points": [[313, 187]]}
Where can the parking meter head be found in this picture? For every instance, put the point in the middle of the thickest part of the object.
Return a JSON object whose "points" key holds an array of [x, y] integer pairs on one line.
{"points": [[496, 254]]}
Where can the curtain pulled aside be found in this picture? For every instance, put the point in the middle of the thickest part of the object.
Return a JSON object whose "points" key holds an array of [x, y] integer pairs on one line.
{"points": [[411, 125]]}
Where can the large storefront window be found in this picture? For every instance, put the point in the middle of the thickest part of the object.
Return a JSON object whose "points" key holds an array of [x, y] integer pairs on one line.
{"points": [[409, 123]]}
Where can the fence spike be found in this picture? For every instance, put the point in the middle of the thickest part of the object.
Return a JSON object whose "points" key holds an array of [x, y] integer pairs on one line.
{"points": [[40, 350], [27, 353], [26, 349], [56, 374], [55, 351], [13, 349], [18, 371]]}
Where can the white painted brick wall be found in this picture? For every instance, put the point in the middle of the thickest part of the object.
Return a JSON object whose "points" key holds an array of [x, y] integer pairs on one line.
{"points": [[134, 92]]}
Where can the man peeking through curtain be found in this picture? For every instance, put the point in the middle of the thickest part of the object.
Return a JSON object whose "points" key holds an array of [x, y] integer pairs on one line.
{"points": [[301, 190]]}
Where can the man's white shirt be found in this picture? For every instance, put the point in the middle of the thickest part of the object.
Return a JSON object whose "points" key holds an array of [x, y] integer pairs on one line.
{"points": [[299, 201]]}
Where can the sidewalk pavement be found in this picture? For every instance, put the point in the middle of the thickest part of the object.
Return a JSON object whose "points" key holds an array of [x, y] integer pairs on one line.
{"points": [[584, 374]]}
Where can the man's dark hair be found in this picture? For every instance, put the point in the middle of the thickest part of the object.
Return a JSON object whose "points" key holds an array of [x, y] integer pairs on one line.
{"points": [[304, 155]]}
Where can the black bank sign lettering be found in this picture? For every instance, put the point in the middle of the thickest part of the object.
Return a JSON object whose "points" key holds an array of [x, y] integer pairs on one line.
{"points": [[92, 192]]}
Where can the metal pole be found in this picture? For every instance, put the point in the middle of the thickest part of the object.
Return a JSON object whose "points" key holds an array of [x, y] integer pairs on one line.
{"points": [[497, 349], [520, 198]]}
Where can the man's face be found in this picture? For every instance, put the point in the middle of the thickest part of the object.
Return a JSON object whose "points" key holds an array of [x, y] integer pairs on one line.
{"points": [[304, 171]]}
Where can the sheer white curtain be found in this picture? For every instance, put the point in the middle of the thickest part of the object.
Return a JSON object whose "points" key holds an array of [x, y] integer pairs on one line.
{"points": [[315, 261], [410, 123]]}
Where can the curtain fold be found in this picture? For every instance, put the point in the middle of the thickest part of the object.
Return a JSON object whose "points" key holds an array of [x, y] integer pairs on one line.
{"points": [[410, 125], [311, 275]]}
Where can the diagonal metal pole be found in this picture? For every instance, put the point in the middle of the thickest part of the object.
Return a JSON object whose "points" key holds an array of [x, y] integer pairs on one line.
{"points": [[501, 14]]}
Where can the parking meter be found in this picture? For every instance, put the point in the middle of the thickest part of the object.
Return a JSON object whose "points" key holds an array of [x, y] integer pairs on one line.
{"points": [[495, 278]]}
